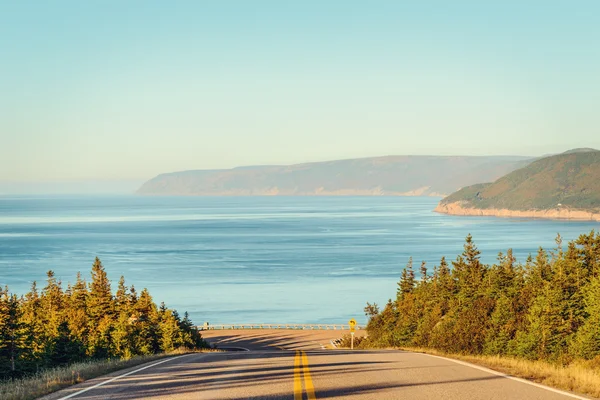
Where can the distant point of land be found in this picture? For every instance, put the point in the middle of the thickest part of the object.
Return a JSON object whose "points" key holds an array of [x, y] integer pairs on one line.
{"points": [[565, 186], [390, 175]]}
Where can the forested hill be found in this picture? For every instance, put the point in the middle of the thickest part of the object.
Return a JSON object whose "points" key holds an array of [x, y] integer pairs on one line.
{"points": [[566, 181], [391, 175]]}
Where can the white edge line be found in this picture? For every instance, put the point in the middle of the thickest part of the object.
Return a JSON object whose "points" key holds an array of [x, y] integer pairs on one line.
{"points": [[514, 378], [228, 349], [119, 377], [235, 347]]}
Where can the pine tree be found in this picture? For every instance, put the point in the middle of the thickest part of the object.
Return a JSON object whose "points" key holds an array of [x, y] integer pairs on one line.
{"points": [[147, 337], [122, 303], [170, 332], [100, 299], [407, 280], [58, 327], [587, 340], [543, 337], [32, 318], [123, 330], [53, 308], [547, 309], [589, 252], [100, 307], [77, 313], [122, 336], [423, 271], [468, 270], [65, 348], [11, 331], [502, 327]]}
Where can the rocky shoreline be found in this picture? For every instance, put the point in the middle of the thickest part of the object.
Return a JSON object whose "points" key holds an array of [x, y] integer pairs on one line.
{"points": [[458, 208]]}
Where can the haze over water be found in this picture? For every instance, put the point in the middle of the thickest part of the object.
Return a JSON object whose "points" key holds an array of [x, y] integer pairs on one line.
{"points": [[251, 259]]}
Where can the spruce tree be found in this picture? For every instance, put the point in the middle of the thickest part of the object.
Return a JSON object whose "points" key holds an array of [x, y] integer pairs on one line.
{"points": [[423, 271], [77, 313], [56, 327], [52, 302], [587, 340], [147, 321], [407, 280], [100, 299], [11, 331], [32, 318]]}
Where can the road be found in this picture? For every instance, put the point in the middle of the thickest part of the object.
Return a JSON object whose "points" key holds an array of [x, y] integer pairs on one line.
{"points": [[292, 365]]}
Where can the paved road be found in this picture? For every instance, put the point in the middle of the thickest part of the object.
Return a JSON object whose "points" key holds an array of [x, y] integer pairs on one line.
{"points": [[269, 339], [306, 372]]}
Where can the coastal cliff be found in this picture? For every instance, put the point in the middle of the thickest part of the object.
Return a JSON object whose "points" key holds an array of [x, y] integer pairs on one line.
{"points": [[457, 208]]}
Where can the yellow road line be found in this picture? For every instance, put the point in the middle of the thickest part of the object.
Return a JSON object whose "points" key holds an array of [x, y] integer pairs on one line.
{"points": [[297, 381], [308, 384]]}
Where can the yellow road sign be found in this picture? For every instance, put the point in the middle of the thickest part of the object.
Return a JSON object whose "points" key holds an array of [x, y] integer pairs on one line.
{"points": [[352, 324]]}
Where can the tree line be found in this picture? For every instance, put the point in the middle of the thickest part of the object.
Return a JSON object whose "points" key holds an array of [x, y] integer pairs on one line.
{"points": [[55, 326], [545, 309]]}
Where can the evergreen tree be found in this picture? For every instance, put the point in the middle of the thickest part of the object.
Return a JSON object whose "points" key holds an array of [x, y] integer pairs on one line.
{"points": [[52, 301], [407, 280], [147, 325], [32, 319], [544, 335], [12, 335], [423, 271], [100, 308], [587, 340], [100, 299], [59, 327], [468, 271], [547, 309], [77, 312], [65, 348]]}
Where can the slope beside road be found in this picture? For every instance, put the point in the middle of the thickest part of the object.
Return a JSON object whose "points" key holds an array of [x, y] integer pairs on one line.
{"points": [[293, 366]]}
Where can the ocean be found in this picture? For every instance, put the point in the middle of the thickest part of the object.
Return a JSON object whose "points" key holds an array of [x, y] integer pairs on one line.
{"points": [[251, 259]]}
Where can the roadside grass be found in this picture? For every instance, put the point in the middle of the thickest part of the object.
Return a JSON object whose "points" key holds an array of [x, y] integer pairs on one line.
{"points": [[581, 377], [344, 341], [53, 379]]}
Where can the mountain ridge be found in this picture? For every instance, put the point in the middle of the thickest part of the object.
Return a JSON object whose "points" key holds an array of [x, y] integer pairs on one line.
{"points": [[402, 175]]}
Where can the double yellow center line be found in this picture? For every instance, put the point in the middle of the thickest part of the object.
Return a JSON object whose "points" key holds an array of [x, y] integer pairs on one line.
{"points": [[301, 363]]}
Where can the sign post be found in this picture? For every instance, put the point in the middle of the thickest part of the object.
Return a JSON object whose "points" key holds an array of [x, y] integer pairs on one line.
{"points": [[352, 324]]}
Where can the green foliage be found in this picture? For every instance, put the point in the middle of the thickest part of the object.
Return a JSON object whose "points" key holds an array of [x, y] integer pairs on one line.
{"points": [[58, 327], [545, 309], [587, 339]]}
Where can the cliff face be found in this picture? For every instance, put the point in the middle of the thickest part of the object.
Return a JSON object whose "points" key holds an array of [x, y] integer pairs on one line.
{"points": [[458, 208], [391, 175], [563, 186]]}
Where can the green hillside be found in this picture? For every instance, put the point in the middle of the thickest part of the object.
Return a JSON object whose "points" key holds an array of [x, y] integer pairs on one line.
{"points": [[571, 179]]}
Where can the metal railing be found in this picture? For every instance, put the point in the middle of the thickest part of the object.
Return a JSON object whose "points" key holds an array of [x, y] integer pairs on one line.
{"points": [[341, 327]]}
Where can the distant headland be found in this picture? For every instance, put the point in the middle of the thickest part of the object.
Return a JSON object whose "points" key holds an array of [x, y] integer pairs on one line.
{"points": [[564, 186], [389, 175]]}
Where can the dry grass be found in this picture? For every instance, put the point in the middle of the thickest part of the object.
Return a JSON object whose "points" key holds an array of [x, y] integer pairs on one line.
{"points": [[54, 379], [344, 341], [580, 377]]}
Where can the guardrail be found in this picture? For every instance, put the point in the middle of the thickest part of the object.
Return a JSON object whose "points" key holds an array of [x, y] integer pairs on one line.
{"points": [[207, 327]]}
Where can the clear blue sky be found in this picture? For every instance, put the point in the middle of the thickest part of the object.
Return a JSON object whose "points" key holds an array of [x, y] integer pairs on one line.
{"points": [[110, 90]]}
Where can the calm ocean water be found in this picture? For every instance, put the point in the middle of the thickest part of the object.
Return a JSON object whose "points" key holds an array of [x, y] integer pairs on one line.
{"points": [[251, 259]]}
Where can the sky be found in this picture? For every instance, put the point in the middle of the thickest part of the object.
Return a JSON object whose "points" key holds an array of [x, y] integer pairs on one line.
{"points": [[125, 90]]}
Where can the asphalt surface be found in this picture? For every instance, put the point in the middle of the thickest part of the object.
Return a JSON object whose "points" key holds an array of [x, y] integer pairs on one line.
{"points": [[293, 365]]}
